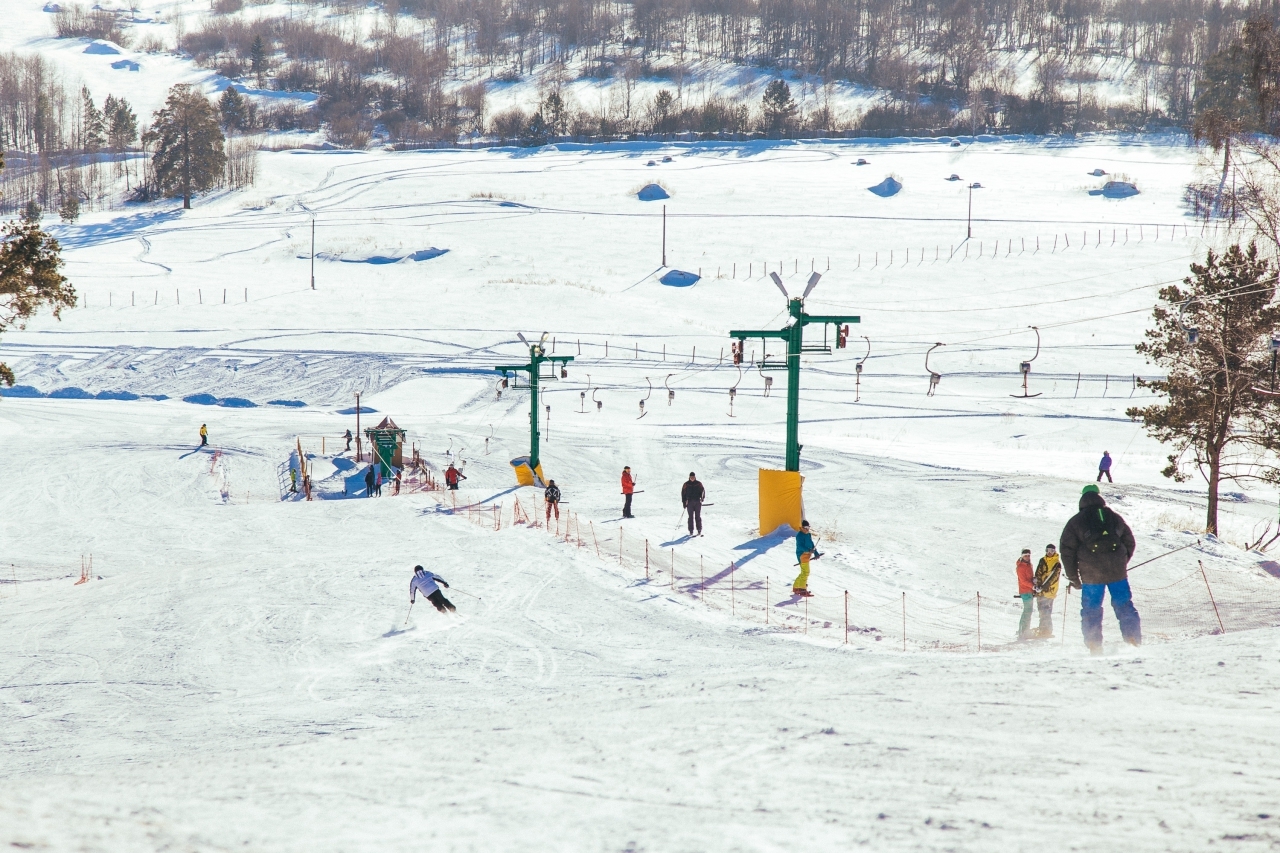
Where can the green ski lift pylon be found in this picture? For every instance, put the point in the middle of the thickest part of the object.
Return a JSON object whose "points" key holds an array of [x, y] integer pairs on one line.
{"points": [[793, 334], [537, 359]]}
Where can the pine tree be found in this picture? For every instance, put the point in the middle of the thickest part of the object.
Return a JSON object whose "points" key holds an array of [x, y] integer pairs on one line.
{"points": [[29, 278], [93, 129], [779, 109], [189, 154], [232, 107], [69, 210], [31, 213], [557, 116], [122, 124], [258, 60], [1211, 337]]}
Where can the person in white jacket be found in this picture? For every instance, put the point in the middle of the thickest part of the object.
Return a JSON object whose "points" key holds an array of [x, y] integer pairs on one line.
{"points": [[425, 582]]}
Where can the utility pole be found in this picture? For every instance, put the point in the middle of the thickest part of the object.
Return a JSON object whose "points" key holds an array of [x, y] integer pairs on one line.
{"points": [[664, 235], [968, 231], [537, 358], [313, 252], [794, 336]]}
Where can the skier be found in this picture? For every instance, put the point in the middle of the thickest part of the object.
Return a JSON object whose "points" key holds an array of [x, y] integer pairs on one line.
{"points": [[204, 435], [452, 476], [692, 494], [348, 438], [552, 497], [397, 491], [293, 480], [368, 482], [377, 480], [426, 583], [1026, 591], [1097, 545], [805, 551], [1047, 572], [628, 489], [1104, 467]]}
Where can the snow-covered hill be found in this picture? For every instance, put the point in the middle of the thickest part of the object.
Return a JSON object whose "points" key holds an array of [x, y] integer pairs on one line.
{"points": [[242, 672]]}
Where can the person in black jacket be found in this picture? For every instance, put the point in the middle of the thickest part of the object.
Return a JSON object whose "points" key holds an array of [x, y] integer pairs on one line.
{"points": [[692, 494], [1096, 547], [552, 497]]}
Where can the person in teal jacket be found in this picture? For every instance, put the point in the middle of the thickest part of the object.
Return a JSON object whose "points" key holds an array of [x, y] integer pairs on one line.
{"points": [[805, 551]]}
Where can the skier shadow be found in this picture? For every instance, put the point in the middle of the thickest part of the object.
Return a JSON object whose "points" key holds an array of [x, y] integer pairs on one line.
{"points": [[395, 632], [448, 510], [760, 546], [194, 452]]}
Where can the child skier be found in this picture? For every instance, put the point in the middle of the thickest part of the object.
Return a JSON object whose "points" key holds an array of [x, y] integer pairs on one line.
{"points": [[805, 552], [1047, 573], [552, 497], [1026, 591], [426, 583], [204, 435], [348, 438]]}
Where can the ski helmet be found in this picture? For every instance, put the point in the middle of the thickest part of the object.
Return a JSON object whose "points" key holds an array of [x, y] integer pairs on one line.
{"points": [[417, 569], [1091, 489]]}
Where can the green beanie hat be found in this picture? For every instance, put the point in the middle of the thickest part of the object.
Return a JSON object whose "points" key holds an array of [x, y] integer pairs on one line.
{"points": [[1090, 489]]}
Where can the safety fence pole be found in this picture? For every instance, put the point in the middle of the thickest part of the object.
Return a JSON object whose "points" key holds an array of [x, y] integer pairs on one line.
{"points": [[979, 621], [591, 526], [1221, 630]]}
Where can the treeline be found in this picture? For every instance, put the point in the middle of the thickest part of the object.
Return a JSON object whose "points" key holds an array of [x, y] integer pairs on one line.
{"points": [[948, 66], [67, 153]]}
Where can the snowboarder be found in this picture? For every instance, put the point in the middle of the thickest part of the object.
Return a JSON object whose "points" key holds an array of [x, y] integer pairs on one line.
{"points": [[348, 438], [1026, 591], [1047, 572], [204, 435], [628, 489], [426, 583], [368, 482], [451, 477], [692, 494], [1097, 545], [293, 480], [805, 551], [552, 497], [1104, 467]]}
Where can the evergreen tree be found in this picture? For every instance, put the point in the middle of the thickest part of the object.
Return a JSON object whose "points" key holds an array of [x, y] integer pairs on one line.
{"points": [[122, 124], [557, 116], [779, 109], [232, 107], [1217, 411], [537, 132], [32, 212], [189, 154], [29, 278], [663, 105], [69, 210], [93, 132], [258, 60]]}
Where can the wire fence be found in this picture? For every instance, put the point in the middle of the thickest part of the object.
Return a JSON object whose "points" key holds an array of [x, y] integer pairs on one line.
{"points": [[1204, 601]]}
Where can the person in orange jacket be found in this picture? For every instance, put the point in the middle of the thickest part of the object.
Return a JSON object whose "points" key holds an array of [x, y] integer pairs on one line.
{"points": [[628, 488], [1026, 591]]}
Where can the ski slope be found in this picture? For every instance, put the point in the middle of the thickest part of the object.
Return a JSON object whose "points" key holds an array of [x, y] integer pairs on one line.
{"points": [[240, 672]]}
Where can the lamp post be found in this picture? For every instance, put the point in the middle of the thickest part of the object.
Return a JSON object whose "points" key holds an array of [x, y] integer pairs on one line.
{"points": [[969, 230]]}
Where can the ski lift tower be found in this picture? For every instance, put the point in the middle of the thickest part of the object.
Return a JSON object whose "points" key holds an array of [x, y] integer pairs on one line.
{"points": [[781, 500], [528, 469]]}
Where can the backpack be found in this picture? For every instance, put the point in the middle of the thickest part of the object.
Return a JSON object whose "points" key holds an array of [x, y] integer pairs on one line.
{"points": [[1100, 536]]}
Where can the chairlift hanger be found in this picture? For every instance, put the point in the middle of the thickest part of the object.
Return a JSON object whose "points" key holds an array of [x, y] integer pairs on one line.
{"points": [[934, 376], [733, 392], [599, 403], [1193, 332], [646, 397], [857, 368], [671, 395], [1025, 367], [582, 397]]}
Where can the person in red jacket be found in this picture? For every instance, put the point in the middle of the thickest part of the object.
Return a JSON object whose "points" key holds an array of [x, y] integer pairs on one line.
{"points": [[451, 477], [628, 488], [1026, 591]]}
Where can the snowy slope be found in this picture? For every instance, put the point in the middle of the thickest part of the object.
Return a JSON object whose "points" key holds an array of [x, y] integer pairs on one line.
{"points": [[241, 674]]}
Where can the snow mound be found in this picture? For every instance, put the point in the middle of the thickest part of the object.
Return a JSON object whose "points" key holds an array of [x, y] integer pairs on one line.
{"points": [[126, 65], [890, 186], [1116, 189], [679, 278], [102, 48], [380, 256], [652, 192]]}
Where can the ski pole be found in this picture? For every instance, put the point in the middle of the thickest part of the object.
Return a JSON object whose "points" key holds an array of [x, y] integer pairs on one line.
{"points": [[464, 592], [1165, 554], [407, 615], [680, 519]]}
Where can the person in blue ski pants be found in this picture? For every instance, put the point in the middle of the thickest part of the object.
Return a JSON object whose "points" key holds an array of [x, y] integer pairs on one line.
{"points": [[1096, 547]]}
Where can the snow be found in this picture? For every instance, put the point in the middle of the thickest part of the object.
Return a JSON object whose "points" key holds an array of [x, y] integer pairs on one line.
{"points": [[239, 670]]}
